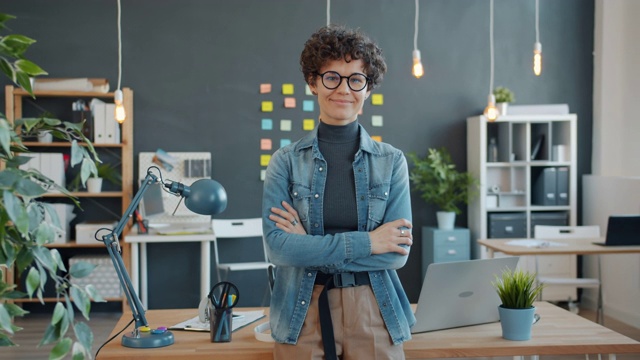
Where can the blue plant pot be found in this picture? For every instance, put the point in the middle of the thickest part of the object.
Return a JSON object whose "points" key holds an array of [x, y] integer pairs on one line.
{"points": [[516, 323]]}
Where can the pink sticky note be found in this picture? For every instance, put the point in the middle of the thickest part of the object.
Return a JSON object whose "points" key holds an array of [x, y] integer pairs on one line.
{"points": [[265, 144], [265, 88], [290, 102]]}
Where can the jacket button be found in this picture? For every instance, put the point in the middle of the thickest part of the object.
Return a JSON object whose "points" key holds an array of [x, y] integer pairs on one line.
{"points": [[303, 302], [320, 169], [316, 196], [362, 197], [386, 193], [295, 193], [309, 274], [316, 225]]}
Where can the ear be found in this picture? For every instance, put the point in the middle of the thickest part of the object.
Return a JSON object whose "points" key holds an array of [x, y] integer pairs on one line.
{"points": [[313, 87]]}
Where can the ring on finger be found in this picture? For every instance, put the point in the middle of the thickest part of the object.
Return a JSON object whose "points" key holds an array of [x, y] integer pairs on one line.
{"points": [[294, 222]]}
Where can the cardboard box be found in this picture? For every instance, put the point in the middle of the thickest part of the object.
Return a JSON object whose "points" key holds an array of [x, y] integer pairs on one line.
{"points": [[86, 231]]}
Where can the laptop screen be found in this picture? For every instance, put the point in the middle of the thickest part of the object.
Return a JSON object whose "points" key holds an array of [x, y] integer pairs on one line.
{"points": [[623, 230]]}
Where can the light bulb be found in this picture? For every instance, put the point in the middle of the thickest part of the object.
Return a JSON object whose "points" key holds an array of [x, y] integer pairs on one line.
{"points": [[491, 111], [537, 58], [418, 70], [119, 113]]}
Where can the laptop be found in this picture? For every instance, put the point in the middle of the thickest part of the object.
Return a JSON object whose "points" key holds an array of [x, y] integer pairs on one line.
{"points": [[622, 230], [460, 293]]}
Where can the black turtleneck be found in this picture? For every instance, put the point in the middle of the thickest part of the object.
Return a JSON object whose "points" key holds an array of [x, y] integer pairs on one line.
{"points": [[338, 145]]}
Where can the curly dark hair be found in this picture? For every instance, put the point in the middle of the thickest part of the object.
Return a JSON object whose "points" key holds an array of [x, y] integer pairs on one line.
{"points": [[336, 42]]}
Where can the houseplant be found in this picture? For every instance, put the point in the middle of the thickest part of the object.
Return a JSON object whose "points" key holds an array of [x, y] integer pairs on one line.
{"points": [[517, 289], [104, 171], [25, 232], [440, 183], [504, 96]]}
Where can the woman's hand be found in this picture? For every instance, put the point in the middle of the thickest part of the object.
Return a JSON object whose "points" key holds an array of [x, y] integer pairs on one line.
{"points": [[287, 220], [389, 236]]}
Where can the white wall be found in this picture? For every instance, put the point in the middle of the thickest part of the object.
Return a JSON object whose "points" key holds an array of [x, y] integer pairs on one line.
{"points": [[614, 187]]}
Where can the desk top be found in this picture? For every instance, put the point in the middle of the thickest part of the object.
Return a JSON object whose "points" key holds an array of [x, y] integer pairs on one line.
{"points": [[574, 247], [558, 332]]}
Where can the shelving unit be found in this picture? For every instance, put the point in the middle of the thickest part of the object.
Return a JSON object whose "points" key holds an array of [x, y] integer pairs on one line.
{"points": [[512, 200], [14, 98]]}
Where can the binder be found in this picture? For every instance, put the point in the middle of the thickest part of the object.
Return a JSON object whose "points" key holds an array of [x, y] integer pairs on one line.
{"points": [[562, 186], [99, 123], [544, 188], [112, 128]]}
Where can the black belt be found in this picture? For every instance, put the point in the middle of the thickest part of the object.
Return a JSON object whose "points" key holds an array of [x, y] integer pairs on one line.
{"points": [[331, 281]]}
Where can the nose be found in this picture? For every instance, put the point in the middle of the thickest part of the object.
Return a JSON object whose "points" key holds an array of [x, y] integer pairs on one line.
{"points": [[343, 87]]}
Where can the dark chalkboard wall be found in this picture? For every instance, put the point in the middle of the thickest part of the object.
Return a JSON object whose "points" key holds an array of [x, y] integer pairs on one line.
{"points": [[195, 67]]}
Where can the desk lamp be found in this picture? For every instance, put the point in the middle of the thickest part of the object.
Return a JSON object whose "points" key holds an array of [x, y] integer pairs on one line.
{"points": [[204, 197]]}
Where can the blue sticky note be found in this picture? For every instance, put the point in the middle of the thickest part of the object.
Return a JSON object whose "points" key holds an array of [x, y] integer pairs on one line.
{"points": [[267, 124], [307, 105], [284, 142]]}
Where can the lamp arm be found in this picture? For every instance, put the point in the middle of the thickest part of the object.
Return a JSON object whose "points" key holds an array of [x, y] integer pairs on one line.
{"points": [[113, 248]]}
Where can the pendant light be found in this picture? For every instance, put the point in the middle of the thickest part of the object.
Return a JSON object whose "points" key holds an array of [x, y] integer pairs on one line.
{"points": [[418, 69], [537, 47], [120, 114], [491, 112]]}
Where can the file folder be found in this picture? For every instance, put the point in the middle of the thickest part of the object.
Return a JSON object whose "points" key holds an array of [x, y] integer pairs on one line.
{"points": [[544, 187], [562, 186]]}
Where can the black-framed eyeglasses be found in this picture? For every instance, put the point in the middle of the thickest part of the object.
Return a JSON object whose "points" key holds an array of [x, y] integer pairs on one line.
{"points": [[356, 81]]}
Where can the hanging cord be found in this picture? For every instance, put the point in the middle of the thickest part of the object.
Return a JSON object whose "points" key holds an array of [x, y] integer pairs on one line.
{"points": [[537, 22], [491, 44], [119, 46], [415, 27], [328, 12]]}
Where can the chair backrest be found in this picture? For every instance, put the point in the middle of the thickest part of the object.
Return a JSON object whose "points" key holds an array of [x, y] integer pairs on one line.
{"points": [[566, 232], [237, 228]]}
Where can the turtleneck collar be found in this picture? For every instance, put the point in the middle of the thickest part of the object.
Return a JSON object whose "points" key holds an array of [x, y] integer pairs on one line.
{"points": [[338, 133]]}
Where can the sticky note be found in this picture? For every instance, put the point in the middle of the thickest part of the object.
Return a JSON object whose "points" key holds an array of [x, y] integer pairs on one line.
{"points": [[285, 125], [284, 142], [290, 102], [287, 89], [308, 124], [263, 174], [265, 144], [264, 160], [377, 99], [307, 90], [265, 88], [267, 106], [377, 138], [307, 105], [267, 124], [376, 120]]}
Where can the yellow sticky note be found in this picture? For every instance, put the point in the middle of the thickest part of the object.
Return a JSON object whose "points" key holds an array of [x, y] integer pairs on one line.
{"points": [[267, 106], [377, 138], [264, 160], [290, 102], [287, 89], [265, 144], [308, 124], [265, 88], [377, 99]]}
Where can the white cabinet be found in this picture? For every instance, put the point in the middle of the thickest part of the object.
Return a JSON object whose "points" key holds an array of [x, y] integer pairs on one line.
{"points": [[532, 182]]}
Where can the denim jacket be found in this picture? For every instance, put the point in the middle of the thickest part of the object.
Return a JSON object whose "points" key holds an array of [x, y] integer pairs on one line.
{"points": [[297, 175]]}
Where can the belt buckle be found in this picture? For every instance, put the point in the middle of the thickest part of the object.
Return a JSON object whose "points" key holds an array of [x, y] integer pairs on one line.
{"points": [[342, 280]]}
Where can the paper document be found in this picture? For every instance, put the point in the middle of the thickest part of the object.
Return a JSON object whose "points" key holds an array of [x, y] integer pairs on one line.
{"points": [[240, 319], [533, 243]]}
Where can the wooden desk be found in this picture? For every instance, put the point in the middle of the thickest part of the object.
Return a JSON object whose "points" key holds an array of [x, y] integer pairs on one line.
{"points": [[559, 332], [139, 269], [574, 247]]}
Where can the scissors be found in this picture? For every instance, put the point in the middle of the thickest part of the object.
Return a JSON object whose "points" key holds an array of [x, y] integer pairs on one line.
{"points": [[224, 295]]}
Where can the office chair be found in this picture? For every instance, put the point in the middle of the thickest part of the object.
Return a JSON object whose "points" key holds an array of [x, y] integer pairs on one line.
{"points": [[588, 233]]}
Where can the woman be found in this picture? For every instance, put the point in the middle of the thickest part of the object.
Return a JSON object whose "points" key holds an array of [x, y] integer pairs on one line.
{"points": [[337, 217]]}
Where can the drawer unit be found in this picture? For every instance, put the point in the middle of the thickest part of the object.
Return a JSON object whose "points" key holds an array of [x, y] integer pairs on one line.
{"points": [[507, 225], [444, 245]]}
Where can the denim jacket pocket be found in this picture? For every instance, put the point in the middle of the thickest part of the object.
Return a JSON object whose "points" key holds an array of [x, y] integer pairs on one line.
{"points": [[301, 196], [378, 197]]}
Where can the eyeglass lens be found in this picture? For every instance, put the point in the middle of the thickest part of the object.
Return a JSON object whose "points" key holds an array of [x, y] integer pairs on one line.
{"points": [[332, 80]]}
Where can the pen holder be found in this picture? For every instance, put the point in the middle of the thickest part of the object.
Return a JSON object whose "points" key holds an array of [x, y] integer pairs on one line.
{"points": [[220, 324]]}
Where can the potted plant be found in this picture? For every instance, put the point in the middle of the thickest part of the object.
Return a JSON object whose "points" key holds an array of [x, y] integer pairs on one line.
{"points": [[440, 183], [25, 232], [104, 171], [517, 289], [504, 96]]}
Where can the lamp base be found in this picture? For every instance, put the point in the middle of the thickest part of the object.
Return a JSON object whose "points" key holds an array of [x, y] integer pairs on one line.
{"points": [[147, 340]]}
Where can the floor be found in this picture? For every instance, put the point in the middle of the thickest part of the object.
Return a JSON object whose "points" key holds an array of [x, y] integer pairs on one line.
{"points": [[102, 324]]}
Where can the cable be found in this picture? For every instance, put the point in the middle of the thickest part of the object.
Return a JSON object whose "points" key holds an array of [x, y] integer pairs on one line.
{"points": [[537, 22], [114, 336], [328, 12], [415, 26], [119, 45], [491, 43]]}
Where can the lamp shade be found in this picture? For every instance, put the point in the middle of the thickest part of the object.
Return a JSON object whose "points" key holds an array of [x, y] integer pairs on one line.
{"points": [[206, 197]]}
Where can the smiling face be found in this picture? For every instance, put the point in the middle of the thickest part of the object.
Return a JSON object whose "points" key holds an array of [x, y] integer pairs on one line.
{"points": [[341, 105]]}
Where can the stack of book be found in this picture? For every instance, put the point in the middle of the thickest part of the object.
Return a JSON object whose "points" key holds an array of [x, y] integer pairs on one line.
{"points": [[71, 84]]}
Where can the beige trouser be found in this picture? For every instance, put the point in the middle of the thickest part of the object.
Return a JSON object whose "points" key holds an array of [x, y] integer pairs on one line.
{"points": [[358, 328]]}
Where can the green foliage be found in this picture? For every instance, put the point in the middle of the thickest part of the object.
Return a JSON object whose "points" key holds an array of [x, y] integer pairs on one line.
{"points": [[517, 289], [25, 232], [503, 94], [104, 170], [439, 183]]}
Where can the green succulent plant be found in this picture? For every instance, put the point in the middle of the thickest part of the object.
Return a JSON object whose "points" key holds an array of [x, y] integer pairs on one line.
{"points": [[517, 289], [503, 94]]}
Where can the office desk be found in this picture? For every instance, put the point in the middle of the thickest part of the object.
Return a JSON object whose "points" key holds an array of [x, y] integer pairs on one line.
{"points": [[559, 332], [139, 269], [574, 247]]}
